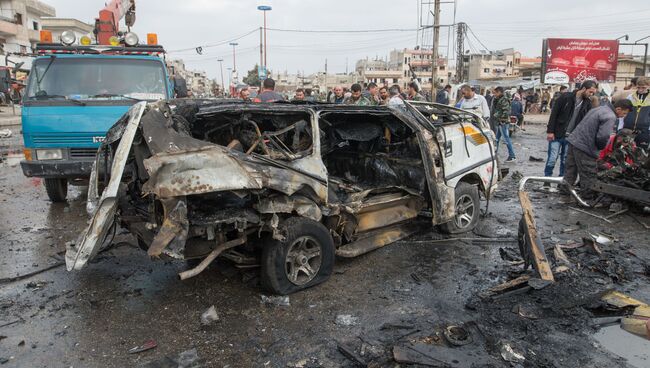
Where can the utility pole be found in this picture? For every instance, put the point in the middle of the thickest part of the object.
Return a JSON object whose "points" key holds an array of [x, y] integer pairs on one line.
{"points": [[436, 39], [460, 45], [223, 86]]}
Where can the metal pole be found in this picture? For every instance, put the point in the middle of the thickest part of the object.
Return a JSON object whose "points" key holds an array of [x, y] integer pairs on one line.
{"points": [[223, 86], [265, 39], [261, 49], [436, 38], [645, 60]]}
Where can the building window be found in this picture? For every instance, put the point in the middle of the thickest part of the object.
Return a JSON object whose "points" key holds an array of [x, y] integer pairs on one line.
{"points": [[19, 18], [23, 49], [35, 25], [486, 70], [406, 60], [394, 80]]}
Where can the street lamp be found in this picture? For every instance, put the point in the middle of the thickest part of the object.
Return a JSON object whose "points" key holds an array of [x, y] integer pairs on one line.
{"points": [[229, 79], [234, 64], [223, 86], [624, 36], [264, 9]]}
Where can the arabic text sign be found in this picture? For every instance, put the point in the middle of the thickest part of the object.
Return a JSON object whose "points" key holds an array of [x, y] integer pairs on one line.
{"points": [[576, 60]]}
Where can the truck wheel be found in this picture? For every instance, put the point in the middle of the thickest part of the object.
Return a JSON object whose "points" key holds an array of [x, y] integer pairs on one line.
{"points": [[57, 189], [467, 210], [303, 259]]}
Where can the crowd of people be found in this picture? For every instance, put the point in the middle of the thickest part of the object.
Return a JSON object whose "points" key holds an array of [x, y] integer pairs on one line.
{"points": [[368, 95], [584, 128]]}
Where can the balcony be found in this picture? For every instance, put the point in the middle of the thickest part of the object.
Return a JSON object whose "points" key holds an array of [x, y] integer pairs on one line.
{"points": [[41, 9], [7, 28]]}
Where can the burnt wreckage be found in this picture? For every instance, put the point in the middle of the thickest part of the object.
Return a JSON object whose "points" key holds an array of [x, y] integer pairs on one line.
{"points": [[287, 187]]}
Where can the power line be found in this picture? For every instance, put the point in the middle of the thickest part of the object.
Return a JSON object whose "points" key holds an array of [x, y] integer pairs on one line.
{"points": [[219, 43], [477, 39], [344, 31]]}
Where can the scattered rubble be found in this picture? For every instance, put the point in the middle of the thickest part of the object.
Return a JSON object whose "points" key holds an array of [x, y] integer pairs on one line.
{"points": [[346, 320], [277, 300], [209, 316], [147, 345], [509, 355]]}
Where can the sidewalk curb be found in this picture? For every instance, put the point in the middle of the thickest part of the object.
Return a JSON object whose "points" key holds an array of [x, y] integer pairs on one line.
{"points": [[10, 121]]}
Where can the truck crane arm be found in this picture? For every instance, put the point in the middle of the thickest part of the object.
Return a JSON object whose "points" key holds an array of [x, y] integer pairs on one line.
{"points": [[108, 23]]}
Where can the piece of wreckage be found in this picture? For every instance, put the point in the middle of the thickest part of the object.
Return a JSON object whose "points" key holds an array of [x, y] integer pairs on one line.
{"points": [[285, 187]]}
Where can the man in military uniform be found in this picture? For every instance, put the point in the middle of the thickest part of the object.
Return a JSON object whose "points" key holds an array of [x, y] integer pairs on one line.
{"points": [[356, 98], [501, 118]]}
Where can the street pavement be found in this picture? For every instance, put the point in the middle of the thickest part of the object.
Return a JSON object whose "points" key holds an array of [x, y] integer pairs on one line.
{"points": [[94, 317]]}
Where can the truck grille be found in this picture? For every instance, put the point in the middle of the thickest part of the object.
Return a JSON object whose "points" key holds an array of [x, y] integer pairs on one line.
{"points": [[83, 152], [70, 139]]}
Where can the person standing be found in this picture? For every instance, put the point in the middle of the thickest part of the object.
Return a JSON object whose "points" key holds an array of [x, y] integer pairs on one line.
{"points": [[557, 95], [414, 93], [268, 93], [372, 93], [639, 120], [337, 97], [300, 95], [546, 98], [517, 111], [356, 97], [245, 94], [501, 118], [588, 139], [383, 96], [442, 97], [395, 94], [474, 102], [567, 111]]}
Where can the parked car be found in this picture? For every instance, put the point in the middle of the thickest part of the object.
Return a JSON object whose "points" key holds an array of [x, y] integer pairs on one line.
{"points": [[286, 187]]}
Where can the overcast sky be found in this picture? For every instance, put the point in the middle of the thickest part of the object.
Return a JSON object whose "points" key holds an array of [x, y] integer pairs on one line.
{"points": [[496, 24]]}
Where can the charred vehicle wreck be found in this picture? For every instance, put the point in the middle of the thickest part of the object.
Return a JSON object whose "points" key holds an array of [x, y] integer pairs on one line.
{"points": [[285, 187]]}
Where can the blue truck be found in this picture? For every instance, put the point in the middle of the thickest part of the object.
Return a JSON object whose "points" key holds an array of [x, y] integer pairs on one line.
{"points": [[75, 93]]}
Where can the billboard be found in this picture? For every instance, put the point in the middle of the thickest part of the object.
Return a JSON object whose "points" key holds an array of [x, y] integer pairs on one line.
{"points": [[568, 60]]}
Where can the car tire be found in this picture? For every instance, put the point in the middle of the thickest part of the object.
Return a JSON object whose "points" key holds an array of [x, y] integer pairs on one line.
{"points": [[57, 189], [467, 204], [303, 259]]}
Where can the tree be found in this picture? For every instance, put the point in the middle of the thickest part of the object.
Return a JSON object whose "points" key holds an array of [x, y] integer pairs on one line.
{"points": [[251, 78]]}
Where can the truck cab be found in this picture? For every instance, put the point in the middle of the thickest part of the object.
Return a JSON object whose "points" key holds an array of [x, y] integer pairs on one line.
{"points": [[74, 94]]}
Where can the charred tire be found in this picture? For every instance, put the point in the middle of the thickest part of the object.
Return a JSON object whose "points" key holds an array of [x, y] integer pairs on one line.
{"points": [[467, 210], [57, 189], [303, 259]]}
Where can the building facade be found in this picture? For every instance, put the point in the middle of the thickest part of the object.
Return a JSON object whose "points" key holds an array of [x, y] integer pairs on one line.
{"points": [[20, 25], [491, 65], [59, 25]]}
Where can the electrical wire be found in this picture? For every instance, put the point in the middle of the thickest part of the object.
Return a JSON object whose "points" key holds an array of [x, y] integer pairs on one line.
{"points": [[343, 31], [218, 43]]}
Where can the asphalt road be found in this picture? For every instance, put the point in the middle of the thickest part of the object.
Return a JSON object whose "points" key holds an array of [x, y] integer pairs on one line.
{"points": [[94, 317]]}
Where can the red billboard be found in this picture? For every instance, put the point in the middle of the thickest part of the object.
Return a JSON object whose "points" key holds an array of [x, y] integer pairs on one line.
{"points": [[575, 60]]}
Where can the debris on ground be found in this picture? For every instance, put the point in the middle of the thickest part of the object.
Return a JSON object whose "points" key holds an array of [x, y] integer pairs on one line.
{"points": [[346, 320], [535, 159], [5, 133], [351, 354], [277, 300], [148, 345], [186, 359], [509, 355], [209, 316]]}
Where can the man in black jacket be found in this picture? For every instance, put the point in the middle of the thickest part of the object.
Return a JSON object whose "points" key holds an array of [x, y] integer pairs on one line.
{"points": [[567, 112]]}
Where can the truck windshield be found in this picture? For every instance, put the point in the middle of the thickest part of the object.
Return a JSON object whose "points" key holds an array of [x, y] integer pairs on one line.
{"points": [[90, 78]]}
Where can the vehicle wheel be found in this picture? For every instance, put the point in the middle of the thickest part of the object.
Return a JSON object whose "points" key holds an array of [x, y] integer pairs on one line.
{"points": [[303, 259], [467, 210], [57, 189]]}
